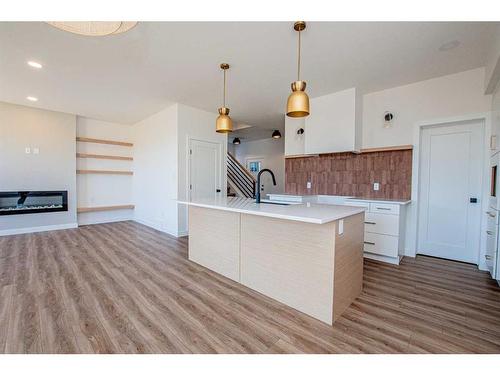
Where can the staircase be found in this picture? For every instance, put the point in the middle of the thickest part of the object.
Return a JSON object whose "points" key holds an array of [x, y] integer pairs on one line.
{"points": [[239, 178]]}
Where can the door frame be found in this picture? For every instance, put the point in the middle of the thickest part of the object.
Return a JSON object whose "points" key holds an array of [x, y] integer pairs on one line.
{"points": [[222, 169], [415, 184]]}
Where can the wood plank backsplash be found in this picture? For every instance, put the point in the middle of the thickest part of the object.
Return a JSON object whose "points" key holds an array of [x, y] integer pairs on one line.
{"points": [[351, 174]]}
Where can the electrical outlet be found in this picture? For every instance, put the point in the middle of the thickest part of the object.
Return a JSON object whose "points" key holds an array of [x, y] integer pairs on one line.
{"points": [[308, 184], [376, 186], [27, 150], [341, 227]]}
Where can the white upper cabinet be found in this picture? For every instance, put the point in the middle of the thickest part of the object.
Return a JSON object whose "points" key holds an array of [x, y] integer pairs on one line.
{"points": [[334, 124], [294, 141]]}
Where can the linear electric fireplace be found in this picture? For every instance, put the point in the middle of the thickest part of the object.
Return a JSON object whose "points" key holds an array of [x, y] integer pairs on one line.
{"points": [[32, 202]]}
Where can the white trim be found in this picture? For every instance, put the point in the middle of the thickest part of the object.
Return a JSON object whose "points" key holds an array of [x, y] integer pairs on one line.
{"points": [[104, 221], [183, 233], [44, 228], [382, 258], [415, 188], [158, 227]]}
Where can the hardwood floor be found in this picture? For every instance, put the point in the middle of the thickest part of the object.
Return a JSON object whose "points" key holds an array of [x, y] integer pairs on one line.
{"points": [[126, 288]]}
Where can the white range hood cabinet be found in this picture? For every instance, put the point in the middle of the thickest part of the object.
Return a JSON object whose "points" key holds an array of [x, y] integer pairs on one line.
{"points": [[334, 125]]}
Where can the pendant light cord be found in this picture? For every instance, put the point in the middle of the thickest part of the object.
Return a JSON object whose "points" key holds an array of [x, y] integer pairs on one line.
{"points": [[224, 96], [298, 64]]}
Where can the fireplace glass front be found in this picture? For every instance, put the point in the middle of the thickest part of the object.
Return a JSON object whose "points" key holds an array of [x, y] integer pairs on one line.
{"points": [[31, 202]]}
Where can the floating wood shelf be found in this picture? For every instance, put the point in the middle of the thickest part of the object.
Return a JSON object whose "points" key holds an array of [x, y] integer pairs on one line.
{"points": [[96, 156], [103, 141], [105, 208], [95, 171]]}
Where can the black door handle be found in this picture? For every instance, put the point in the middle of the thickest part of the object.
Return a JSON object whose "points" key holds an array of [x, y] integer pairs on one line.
{"points": [[473, 200], [217, 190]]}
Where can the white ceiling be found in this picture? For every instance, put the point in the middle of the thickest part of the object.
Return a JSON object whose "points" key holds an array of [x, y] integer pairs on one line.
{"points": [[125, 78]]}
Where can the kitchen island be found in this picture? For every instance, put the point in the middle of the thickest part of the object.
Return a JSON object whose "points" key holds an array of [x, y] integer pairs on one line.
{"points": [[307, 256]]}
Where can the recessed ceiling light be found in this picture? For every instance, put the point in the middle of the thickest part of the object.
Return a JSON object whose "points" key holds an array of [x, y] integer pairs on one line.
{"points": [[32, 98], [35, 64], [449, 45]]}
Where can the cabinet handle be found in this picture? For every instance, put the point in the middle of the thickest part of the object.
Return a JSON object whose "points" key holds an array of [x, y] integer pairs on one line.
{"points": [[488, 257], [490, 214], [369, 243], [383, 208], [489, 232], [370, 222]]}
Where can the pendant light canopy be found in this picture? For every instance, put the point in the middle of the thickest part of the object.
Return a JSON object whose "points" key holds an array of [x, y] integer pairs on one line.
{"points": [[276, 134], [224, 124], [93, 28], [298, 101]]}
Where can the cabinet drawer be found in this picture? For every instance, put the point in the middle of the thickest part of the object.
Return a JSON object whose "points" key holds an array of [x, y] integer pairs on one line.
{"points": [[382, 224], [381, 244], [384, 208]]}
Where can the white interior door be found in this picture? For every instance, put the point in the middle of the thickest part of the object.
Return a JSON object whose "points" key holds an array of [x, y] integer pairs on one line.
{"points": [[451, 168], [204, 169]]}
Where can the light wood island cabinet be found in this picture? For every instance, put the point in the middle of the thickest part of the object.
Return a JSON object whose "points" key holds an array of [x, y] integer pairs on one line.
{"points": [[312, 267]]}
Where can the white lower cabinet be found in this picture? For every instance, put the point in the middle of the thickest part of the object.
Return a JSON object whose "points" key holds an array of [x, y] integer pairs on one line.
{"points": [[384, 230], [382, 223], [381, 244], [492, 243]]}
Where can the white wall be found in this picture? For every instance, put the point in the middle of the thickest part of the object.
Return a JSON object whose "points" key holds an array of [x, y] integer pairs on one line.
{"points": [[155, 170], [104, 190], [453, 96], [448, 96], [54, 168], [294, 142], [271, 151], [197, 124], [492, 68]]}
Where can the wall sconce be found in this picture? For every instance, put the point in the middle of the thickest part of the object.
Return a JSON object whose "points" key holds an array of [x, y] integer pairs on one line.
{"points": [[300, 131], [388, 116]]}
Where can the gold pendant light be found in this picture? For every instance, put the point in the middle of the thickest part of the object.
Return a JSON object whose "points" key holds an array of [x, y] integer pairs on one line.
{"points": [[298, 101], [224, 124]]}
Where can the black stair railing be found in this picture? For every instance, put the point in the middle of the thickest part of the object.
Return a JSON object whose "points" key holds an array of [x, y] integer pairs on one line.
{"points": [[240, 177]]}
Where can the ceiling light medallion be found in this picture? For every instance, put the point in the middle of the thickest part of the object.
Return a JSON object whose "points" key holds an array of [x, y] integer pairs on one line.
{"points": [[224, 124], [94, 28], [298, 101]]}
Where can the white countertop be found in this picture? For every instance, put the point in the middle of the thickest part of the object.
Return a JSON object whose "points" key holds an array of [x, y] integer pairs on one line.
{"points": [[306, 212], [332, 199], [393, 201]]}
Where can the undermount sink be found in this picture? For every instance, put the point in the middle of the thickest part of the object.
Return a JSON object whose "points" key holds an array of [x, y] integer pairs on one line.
{"points": [[278, 203]]}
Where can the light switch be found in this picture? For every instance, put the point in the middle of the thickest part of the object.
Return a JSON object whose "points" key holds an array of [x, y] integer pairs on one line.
{"points": [[376, 186], [308, 184], [27, 150], [36, 150]]}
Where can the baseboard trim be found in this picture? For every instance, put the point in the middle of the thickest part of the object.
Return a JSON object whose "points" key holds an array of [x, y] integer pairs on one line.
{"points": [[44, 228], [104, 221], [382, 258], [157, 227]]}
